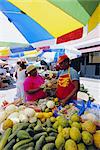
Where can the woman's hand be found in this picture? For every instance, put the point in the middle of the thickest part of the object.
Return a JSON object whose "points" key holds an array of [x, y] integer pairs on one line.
{"points": [[63, 102], [42, 86]]}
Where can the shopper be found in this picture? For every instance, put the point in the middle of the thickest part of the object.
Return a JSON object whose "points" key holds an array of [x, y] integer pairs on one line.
{"points": [[20, 75], [32, 85]]}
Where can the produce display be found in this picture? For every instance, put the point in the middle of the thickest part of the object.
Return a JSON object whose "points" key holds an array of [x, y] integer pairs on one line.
{"points": [[24, 127], [92, 112]]}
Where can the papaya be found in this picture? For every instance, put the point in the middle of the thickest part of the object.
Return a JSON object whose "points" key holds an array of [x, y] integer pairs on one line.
{"points": [[70, 145], [87, 138], [96, 137]]}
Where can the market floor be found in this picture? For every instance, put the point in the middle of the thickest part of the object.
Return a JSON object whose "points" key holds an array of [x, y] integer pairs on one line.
{"points": [[8, 94], [93, 86]]}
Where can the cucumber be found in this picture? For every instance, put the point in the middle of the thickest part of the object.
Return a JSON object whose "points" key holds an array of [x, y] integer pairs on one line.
{"points": [[26, 146], [22, 134], [32, 125], [51, 130], [17, 140], [30, 148], [5, 138], [30, 131], [44, 124], [50, 139], [38, 128], [48, 122], [53, 134], [23, 126], [49, 146], [0, 137], [39, 122], [22, 142], [37, 136], [10, 145], [15, 127], [40, 143]]}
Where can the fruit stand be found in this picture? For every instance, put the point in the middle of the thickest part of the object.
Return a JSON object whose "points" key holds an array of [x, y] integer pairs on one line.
{"points": [[47, 125]]}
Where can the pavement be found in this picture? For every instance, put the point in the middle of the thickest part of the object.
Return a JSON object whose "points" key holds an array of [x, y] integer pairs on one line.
{"points": [[93, 86], [8, 94]]}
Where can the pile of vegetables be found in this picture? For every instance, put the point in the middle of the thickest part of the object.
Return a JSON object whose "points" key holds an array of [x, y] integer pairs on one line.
{"points": [[13, 114], [51, 134], [22, 128]]}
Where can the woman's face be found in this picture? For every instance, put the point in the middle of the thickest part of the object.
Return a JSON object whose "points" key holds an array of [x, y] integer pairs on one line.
{"points": [[33, 72], [64, 65]]}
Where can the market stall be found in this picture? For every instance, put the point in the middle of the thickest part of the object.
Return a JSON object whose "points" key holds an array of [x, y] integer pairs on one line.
{"points": [[46, 124]]}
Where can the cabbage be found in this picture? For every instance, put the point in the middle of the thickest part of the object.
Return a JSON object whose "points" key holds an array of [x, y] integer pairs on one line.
{"points": [[29, 112], [23, 118], [11, 108], [50, 104]]}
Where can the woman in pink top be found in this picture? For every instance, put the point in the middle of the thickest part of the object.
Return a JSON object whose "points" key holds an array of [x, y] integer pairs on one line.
{"points": [[32, 85]]}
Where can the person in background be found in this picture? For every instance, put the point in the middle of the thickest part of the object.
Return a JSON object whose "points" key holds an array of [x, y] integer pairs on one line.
{"points": [[2, 71], [12, 71], [20, 75], [32, 85], [44, 64], [68, 81]]}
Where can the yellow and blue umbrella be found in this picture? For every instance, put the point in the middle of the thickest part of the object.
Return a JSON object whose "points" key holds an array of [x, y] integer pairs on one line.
{"points": [[40, 20], [4, 52]]}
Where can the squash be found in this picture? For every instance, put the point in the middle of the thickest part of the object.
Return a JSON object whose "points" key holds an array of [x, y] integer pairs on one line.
{"points": [[7, 124]]}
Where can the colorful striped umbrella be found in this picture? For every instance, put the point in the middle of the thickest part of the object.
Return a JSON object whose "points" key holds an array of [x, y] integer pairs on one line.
{"points": [[4, 52], [50, 54], [63, 19], [38, 20]]}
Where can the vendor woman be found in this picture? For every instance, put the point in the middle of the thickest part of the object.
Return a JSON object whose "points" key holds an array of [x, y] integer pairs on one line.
{"points": [[68, 81], [32, 85]]}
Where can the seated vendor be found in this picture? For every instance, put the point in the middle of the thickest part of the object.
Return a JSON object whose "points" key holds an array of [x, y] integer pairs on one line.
{"points": [[68, 81], [3, 82], [32, 85]]}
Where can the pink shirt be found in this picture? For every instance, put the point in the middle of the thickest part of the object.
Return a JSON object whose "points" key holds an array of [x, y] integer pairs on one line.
{"points": [[32, 83]]}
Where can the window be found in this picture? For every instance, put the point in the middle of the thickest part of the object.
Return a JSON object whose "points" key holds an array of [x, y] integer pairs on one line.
{"points": [[97, 69]]}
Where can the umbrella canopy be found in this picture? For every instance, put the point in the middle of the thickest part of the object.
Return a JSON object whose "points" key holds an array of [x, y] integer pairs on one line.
{"points": [[59, 17], [52, 54], [9, 34], [49, 54], [49, 19], [30, 30], [4, 52]]}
